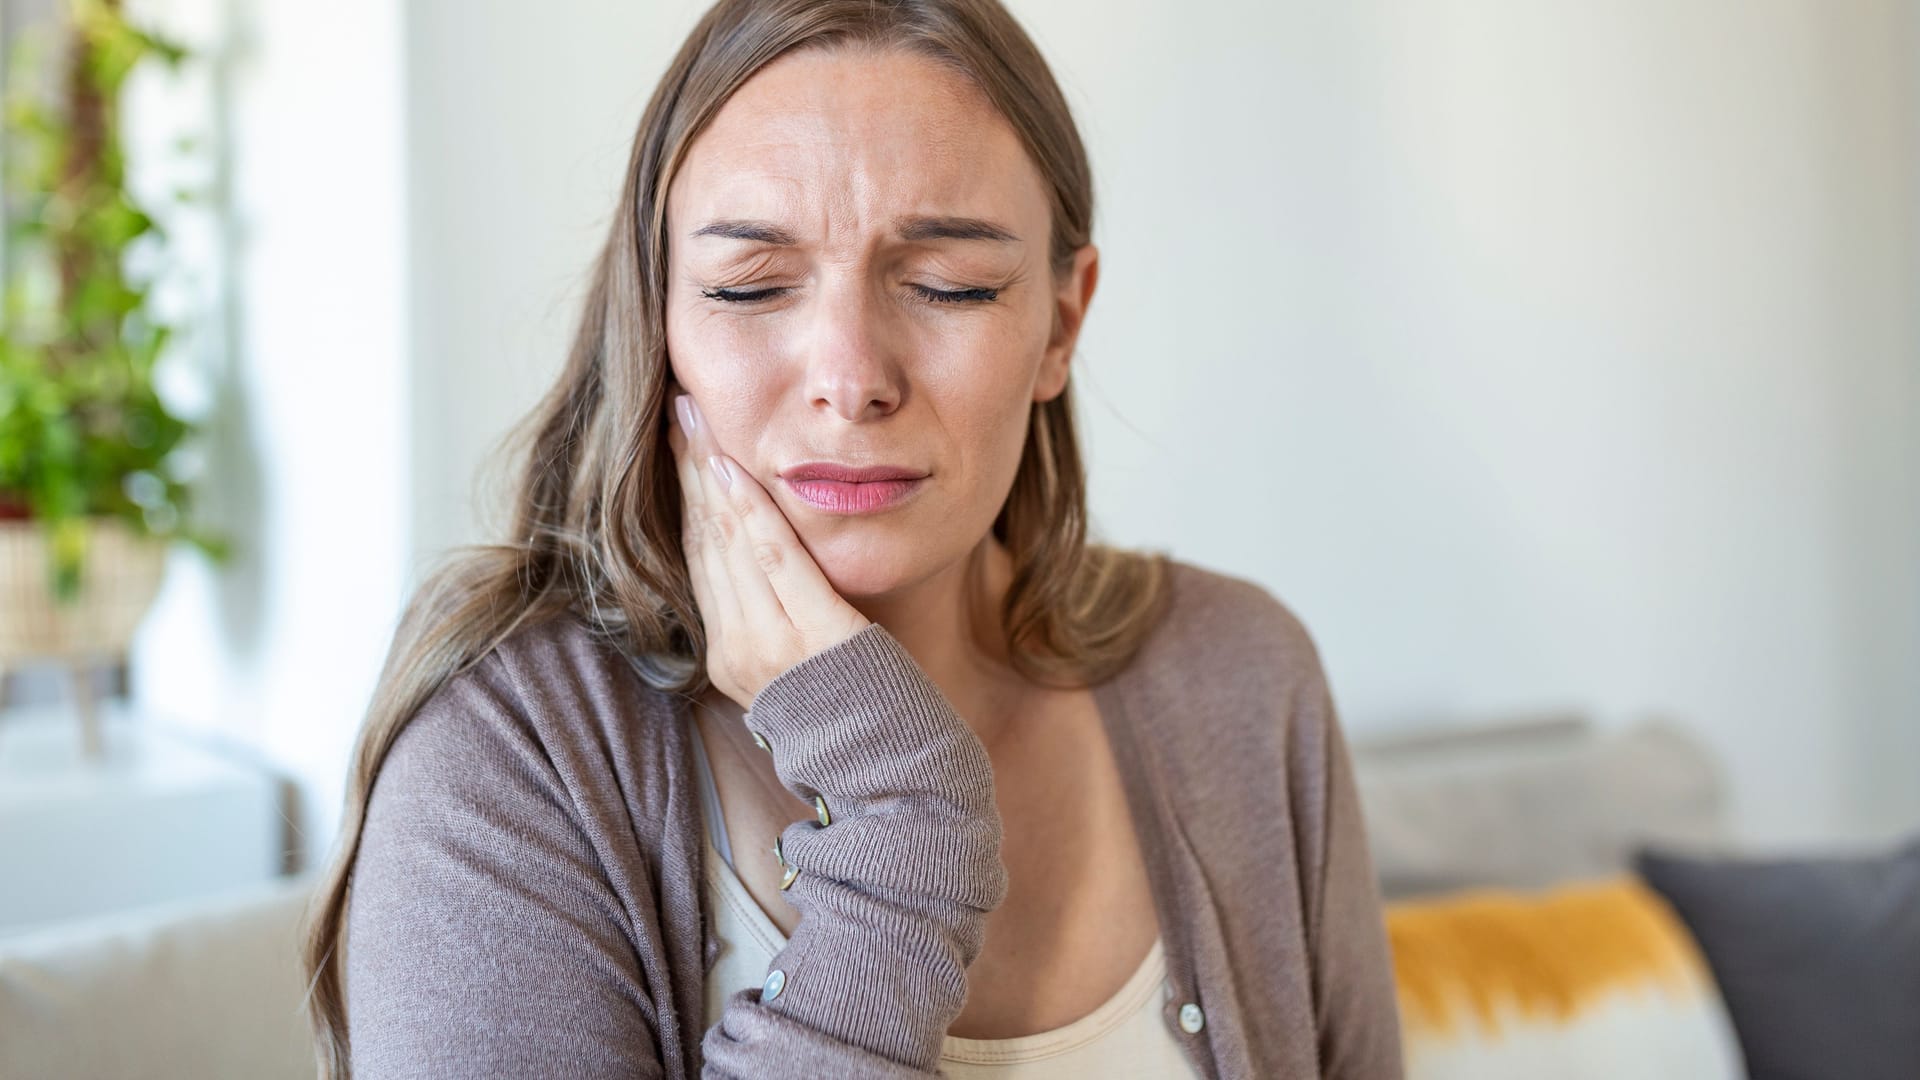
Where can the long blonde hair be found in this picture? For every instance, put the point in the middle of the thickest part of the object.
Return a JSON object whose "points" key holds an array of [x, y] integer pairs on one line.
{"points": [[596, 512]]}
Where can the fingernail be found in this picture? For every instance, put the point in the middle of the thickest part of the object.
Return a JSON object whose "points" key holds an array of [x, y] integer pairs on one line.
{"points": [[684, 403], [722, 470]]}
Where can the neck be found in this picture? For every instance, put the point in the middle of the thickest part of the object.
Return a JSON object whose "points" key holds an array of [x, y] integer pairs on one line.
{"points": [[950, 624], [959, 645]]}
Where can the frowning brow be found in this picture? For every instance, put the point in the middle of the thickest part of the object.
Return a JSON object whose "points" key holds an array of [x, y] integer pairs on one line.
{"points": [[915, 229], [910, 229], [761, 232]]}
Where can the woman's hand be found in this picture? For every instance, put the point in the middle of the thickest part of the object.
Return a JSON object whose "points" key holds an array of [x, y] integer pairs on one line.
{"points": [[765, 603]]}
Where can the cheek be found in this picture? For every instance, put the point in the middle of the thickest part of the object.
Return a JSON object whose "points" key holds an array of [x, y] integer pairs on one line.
{"points": [[993, 356], [700, 338], [708, 361], [988, 423], [721, 361]]}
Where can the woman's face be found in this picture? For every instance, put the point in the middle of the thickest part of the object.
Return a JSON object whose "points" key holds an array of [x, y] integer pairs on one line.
{"points": [[858, 276]]}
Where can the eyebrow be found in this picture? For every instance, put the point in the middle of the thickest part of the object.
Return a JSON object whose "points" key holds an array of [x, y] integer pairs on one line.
{"points": [[911, 229]]}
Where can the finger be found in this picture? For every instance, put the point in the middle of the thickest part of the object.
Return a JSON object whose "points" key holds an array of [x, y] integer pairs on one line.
{"points": [[731, 542], [800, 588], [795, 581], [751, 553], [712, 589]]}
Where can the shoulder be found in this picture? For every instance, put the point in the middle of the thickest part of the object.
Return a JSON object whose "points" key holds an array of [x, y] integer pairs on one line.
{"points": [[552, 711], [1243, 717], [1235, 664], [555, 679], [1235, 623]]}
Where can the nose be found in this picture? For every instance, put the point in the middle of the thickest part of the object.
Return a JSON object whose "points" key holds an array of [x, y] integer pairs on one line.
{"points": [[852, 367]]}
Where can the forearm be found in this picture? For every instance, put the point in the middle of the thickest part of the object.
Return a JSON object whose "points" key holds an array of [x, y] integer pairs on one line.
{"points": [[893, 894]]}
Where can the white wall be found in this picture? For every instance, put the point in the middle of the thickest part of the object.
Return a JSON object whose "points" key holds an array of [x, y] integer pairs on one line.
{"points": [[1567, 352], [1538, 355]]}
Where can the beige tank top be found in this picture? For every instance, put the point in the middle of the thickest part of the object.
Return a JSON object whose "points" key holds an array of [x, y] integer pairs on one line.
{"points": [[1124, 1038]]}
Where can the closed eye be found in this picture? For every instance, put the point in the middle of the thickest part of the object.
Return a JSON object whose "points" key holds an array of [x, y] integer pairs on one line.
{"points": [[937, 296], [957, 296]]}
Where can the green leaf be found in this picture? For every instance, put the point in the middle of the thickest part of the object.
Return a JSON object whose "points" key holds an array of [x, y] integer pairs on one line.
{"points": [[79, 415]]}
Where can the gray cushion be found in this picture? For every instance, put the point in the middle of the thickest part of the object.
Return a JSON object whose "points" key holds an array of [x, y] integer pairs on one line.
{"points": [[1531, 804], [1818, 958]]}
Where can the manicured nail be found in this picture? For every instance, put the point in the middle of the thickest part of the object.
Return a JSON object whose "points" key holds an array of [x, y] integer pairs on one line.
{"points": [[722, 470], [684, 403]]}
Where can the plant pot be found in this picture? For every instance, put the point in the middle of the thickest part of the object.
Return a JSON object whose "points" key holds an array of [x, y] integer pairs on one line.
{"points": [[120, 576]]}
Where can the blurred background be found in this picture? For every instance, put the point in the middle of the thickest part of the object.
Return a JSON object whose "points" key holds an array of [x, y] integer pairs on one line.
{"points": [[1553, 358]]}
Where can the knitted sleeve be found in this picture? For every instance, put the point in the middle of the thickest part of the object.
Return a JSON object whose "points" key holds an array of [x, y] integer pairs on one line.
{"points": [[1356, 1007], [893, 892]]}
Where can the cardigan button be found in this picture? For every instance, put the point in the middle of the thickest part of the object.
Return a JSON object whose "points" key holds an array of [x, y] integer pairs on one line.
{"points": [[776, 982], [820, 810], [760, 741], [1191, 1018], [789, 871]]}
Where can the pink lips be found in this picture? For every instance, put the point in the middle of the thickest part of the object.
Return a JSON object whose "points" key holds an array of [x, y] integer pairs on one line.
{"points": [[841, 489]]}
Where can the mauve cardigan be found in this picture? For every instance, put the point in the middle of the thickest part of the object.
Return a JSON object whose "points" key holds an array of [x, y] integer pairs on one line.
{"points": [[527, 898]]}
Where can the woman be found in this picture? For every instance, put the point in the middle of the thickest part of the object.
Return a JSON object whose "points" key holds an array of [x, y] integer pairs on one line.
{"points": [[800, 731]]}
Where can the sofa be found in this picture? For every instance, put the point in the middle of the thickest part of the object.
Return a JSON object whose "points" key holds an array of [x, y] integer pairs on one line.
{"points": [[192, 989]]}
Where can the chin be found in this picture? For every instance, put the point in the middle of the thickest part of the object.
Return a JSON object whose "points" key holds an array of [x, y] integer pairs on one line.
{"points": [[859, 576], [862, 561]]}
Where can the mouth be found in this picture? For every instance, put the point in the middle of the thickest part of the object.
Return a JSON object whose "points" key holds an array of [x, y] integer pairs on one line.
{"points": [[842, 489], [848, 474]]}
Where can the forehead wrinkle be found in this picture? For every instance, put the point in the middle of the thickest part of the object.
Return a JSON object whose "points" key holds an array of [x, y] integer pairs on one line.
{"points": [[858, 169], [808, 123], [868, 163], [852, 206]]}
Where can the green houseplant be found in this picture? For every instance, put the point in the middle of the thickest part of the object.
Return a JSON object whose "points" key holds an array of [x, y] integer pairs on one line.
{"points": [[91, 488]]}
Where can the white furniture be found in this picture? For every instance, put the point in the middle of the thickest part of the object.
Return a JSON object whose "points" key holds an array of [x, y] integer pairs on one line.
{"points": [[200, 989], [160, 817]]}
